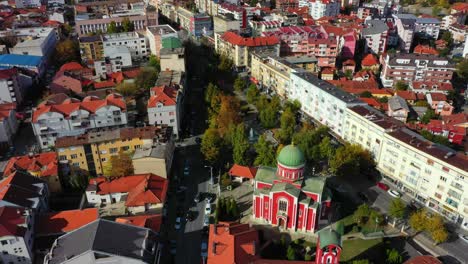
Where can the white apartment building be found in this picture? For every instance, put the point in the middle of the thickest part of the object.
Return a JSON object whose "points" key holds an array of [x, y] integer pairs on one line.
{"points": [[376, 35], [155, 35], [8, 122], [16, 240], [164, 106], [321, 100], [73, 117], [116, 58], [136, 43], [428, 26], [321, 8], [38, 42], [405, 30]]}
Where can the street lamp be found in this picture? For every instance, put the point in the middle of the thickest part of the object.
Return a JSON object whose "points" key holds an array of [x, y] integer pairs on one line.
{"points": [[211, 173]]}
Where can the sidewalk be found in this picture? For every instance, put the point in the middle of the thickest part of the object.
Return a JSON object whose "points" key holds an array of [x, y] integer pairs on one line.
{"points": [[428, 245]]}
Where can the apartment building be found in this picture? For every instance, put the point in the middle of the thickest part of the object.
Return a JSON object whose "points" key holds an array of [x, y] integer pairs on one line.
{"points": [[164, 106], [321, 100], [428, 27], [459, 32], [136, 43], [196, 24], [405, 29], [415, 67], [239, 49], [69, 116], [39, 42], [375, 33], [11, 88], [272, 73], [155, 35], [17, 236], [172, 55], [8, 122], [324, 8], [32, 63], [223, 23], [116, 58], [307, 40], [92, 151], [28, 3], [91, 48], [21, 190], [209, 7]]}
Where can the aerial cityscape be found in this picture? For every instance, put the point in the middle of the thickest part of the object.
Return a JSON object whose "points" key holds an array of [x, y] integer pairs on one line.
{"points": [[233, 132]]}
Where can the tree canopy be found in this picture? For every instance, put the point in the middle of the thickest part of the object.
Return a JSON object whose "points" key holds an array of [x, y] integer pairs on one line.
{"points": [[146, 78], [288, 124], [352, 160], [265, 153], [211, 145], [462, 69], [240, 145], [119, 165], [228, 114], [66, 51], [397, 208]]}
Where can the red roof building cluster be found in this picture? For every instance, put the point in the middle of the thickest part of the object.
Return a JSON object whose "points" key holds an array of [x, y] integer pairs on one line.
{"points": [[58, 223], [243, 171], [238, 40], [69, 105], [142, 188], [425, 49], [164, 95], [41, 165]]}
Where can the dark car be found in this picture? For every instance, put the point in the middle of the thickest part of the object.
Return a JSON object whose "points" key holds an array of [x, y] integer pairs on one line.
{"points": [[190, 216], [383, 186]]}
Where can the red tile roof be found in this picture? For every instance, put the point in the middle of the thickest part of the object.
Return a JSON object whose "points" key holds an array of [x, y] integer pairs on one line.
{"points": [[372, 102], [11, 219], [232, 243], [423, 260], [63, 83], [438, 97], [152, 222], [238, 40], [131, 74], [369, 60], [460, 7], [64, 221], [69, 105], [345, 84], [163, 94], [407, 95], [243, 171], [71, 66], [42, 165], [424, 49], [441, 86], [104, 84], [141, 188]]}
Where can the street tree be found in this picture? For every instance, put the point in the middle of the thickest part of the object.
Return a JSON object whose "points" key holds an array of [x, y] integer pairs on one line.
{"points": [[228, 114], [112, 28], [326, 148], [397, 208], [439, 235], [119, 165], [418, 220], [462, 69], [225, 64], [66, 51], [154, 62], [288, 124], [252, 94], [435, 222], [211, 145], [291, 253], [361, 214], [211, 91], [428, 115], [127, 25], [265, 152], [240, 84], [240, 145], [146, 78], [393, 256], [126, 88], [352, 160], [268, 116], [294, 106], [401, 86]]}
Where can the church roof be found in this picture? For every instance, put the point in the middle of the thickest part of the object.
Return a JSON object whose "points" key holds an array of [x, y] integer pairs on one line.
{"points": [[314, 184], [265, 174], [291, 156], [286, 187], [329, 237]]}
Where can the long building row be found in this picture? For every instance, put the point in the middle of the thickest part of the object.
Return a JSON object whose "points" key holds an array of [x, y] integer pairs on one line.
{"points": [[434, 175]]}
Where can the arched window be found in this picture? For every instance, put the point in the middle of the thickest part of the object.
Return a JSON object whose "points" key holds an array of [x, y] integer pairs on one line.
{"points": [[283, 205]]}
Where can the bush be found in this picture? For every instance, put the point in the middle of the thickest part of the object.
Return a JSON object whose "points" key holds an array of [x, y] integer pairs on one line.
{"points": [[356, 229]]}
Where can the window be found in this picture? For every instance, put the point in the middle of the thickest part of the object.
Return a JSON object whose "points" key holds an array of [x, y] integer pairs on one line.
{"points": [[125, 148], [4, 242], [283, 206], [438, 195], [442, 178], [74, 156], [113, 150]]}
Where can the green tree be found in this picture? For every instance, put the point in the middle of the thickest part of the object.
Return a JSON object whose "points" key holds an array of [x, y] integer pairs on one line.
{"points": [[294, 106], [349, 74], [119, 165], [146, 78], [265, 153], [361, 214], [154, 62], [211, 145], [127, 25], [361, 261], [225, 64], [240, 84], [78, 179], [462, 69], [225, 180], [252, 94], [422, 103], [268, 116], [309, 139], [436, 11], [211, 91], [435, 222], [447, 36], [428, 115], [240, 145], [228, 114], [418, 220], [366, 94], [126, 88], [383, 99], [393, 256], [352, 160], [112, 28], [288, 124], [326, 148], [66, 51], [397, 208], [439, 235], [291, 253], [401, 86]]}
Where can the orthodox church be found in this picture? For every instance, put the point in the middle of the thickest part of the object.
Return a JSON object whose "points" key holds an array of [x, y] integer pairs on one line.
{"points": [[287, 197]]}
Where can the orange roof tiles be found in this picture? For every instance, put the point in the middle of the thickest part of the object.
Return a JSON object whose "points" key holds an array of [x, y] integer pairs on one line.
{"points": [[460, 7], [423, 260], [238, 40], [356, 85], [441, 86], [369, 60], [42, 165], [64, 221], [424, 49], [163, 94], [11, 221], [232, 243], [104, 84], [372, 102], [152, 222], [243, 171], [141, 188], [438, 97], [407, 95], [71, 66]]}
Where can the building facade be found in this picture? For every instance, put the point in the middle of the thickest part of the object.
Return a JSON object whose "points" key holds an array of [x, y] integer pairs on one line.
{"points": [[196, 24], [414, 68], [164, 107], [156, 34], [289, 198], [375, 34], [51, 120], [324, 8], [8, 122], [91, 48], [17, 236], [39, 42], [136, 43]]}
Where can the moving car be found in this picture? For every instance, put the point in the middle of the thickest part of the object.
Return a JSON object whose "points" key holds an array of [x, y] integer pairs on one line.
{"points": [[394, 193], [177, 223], [208, 209], [383, 186]]}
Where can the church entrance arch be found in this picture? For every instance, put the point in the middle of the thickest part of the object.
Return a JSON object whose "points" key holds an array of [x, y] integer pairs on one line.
{"points": [[282, 222]]}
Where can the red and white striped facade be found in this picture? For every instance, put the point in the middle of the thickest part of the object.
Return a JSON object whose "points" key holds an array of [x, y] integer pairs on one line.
{"points": [[283, 201]]}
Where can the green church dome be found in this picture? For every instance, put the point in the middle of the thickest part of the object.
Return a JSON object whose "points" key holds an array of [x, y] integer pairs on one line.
{"points": [[291, 156]]}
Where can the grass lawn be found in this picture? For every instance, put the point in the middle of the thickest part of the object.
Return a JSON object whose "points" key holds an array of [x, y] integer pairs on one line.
{"points": [[368, 227], [357, 247]]}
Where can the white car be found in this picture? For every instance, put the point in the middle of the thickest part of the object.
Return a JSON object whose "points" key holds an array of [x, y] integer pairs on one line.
{"points": [[177, 223], [394, 193], [208, 209], [204, 249], [206, 221]]}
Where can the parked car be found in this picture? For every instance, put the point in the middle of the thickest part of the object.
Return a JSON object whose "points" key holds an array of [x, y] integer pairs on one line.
{"points": [[383, 186], [463, 237], [208, 209], [210, 197], [190, 216], [204, 249], [177, 223], [186, 169], [394, 193], [198, 198], [206, 221]]}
